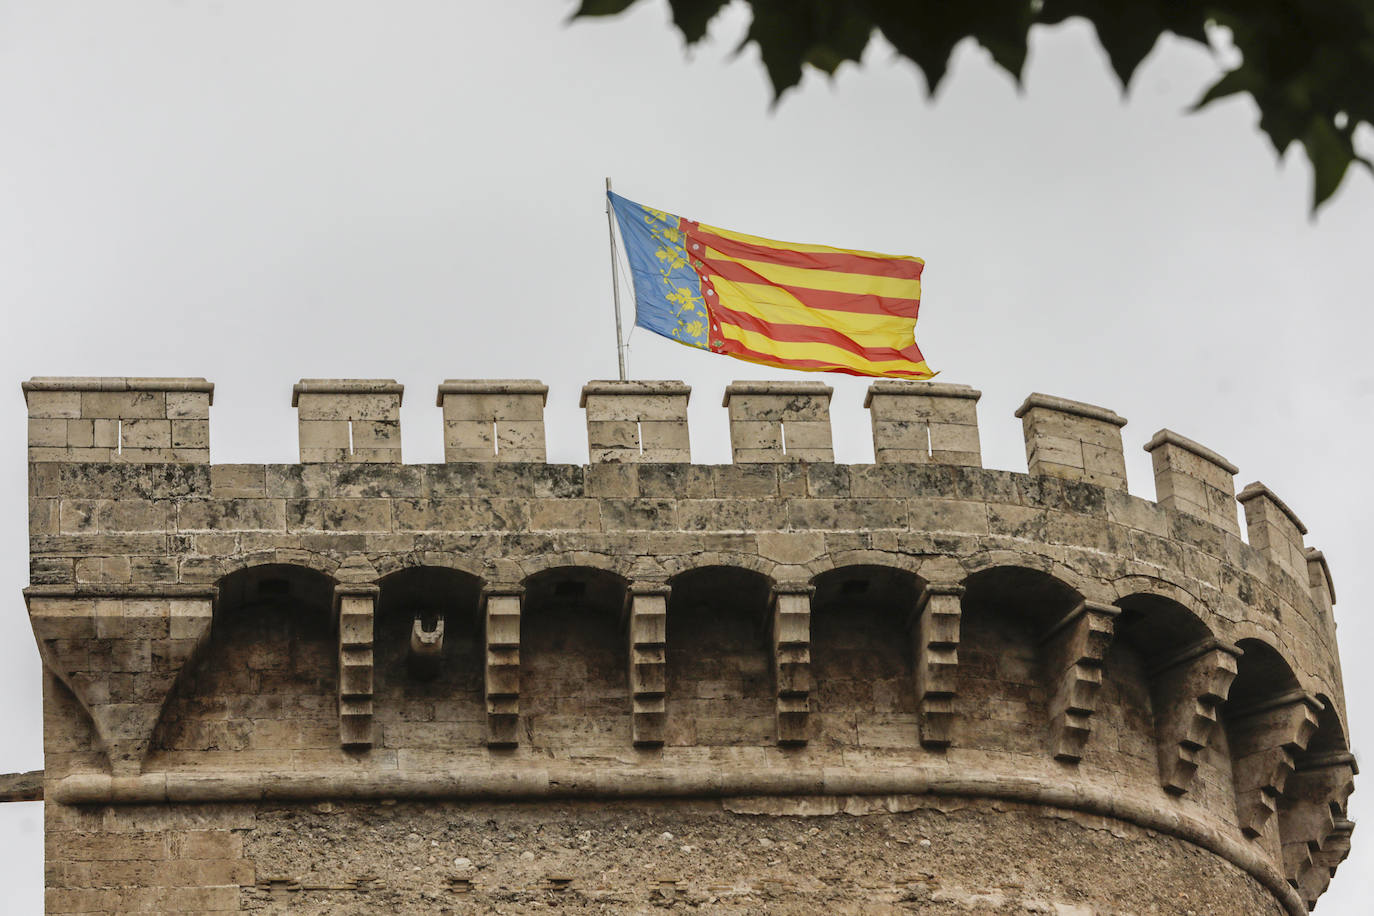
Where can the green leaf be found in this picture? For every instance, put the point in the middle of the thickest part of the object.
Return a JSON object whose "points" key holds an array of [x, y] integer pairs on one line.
{"points": [[1128, 32], [1330, 152], [844, 37], [1003, 27], [1308, 64], [692, 17], [783, 41], [602, 7], [923, 31], [1238, 80]]}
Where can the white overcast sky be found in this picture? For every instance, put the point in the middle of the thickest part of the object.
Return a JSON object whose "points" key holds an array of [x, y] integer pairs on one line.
{"points": [[261, 190]]}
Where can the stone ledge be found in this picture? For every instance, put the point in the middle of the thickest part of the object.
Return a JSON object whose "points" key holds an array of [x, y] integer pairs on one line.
{"points": [[346, 386], [18, 787], [543, 783], [1257, 489], [1169, 437], [1064, 405], [135, 590], [920, 390], [115, 383], [492, 386], [634, 387], [744, 389], [1316, 556]]}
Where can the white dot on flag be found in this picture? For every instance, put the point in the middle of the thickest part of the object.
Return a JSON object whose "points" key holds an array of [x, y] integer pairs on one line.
{"points": [[696, 247], [710, 292]]}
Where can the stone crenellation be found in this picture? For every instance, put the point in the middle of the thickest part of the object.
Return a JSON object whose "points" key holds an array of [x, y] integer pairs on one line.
{"points": [[230, 649]]}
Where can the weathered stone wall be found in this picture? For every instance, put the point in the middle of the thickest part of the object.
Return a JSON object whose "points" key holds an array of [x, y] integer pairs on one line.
{"points": [[856, 856], [246, 665]]}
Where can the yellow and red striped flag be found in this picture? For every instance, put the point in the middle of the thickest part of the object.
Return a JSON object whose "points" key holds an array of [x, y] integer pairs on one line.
{"points": [[808, 307]]}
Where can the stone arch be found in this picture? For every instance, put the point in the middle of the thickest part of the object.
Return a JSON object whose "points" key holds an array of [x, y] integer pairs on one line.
{"points": [[842, 559], [1312, 812], [752, 562], [280, 556], [428, 659], [1168, 670], [864, 692], [392, 563], [574, 675], [267, 682], [534, 566], [1179, 593], [1030, 662], [1331, 735], [1086, 587], [1269, 720], [718, 661]]}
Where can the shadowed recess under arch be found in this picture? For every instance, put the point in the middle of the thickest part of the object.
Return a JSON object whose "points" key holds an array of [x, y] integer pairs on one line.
{"points": [[1269, 721], [428, 675], [861, 657], [719, 665], [268, 679], [574, 674], [1168, 672], [1004, 687]]}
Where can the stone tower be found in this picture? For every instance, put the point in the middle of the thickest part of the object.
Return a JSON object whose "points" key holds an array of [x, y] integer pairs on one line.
{"points": [[781, 685]]}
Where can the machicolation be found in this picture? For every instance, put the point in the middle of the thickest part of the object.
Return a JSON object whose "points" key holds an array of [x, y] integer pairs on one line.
{"points": [[781, 685]]}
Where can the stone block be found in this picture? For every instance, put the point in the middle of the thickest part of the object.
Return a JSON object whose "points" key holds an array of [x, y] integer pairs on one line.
{"points": [[493, 420], [1073, 440], [1193, 479], [791, 648], [133, 651], [1074, 649], [349, 420], [146, 434], [118, 420], [934, 625], [646, 624], [47, 433], [772, 422], [53, 404], [1274, 530], [639, 421], [924, 422], [355, 606], [501, 612]]}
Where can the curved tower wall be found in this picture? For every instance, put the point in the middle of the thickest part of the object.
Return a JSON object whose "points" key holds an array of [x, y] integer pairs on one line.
{"points": [[782, 682]]}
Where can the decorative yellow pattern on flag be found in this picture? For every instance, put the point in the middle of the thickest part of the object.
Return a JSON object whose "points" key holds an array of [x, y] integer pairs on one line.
{"points": [[808, 307]]}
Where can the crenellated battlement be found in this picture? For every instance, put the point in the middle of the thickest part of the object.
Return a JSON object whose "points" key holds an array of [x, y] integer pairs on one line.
{"points": [[499, 627], [166, 421]]}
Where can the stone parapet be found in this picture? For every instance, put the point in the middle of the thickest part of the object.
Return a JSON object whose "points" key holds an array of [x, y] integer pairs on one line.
{"points": [[138, 420], [920, 422], [349, 420], [779, 421], [1073, 440], [1193, 479], [637, 421], [1274, 529], [493, 420]]}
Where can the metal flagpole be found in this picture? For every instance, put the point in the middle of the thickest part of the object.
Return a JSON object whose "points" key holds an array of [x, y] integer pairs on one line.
{"points": [[615, 285]]}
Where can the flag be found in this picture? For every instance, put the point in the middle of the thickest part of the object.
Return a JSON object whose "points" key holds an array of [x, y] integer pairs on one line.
{"points": [[807, 307]]}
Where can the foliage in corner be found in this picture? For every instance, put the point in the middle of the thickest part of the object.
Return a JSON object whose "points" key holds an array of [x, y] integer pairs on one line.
{"points": [[1308, 64]]}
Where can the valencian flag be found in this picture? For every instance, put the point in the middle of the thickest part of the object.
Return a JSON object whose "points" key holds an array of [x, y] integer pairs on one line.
{"points": [[807, 307]]}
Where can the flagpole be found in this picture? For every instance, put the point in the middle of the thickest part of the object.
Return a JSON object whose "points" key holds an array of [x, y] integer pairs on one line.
{"points": [[615, 285]]}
